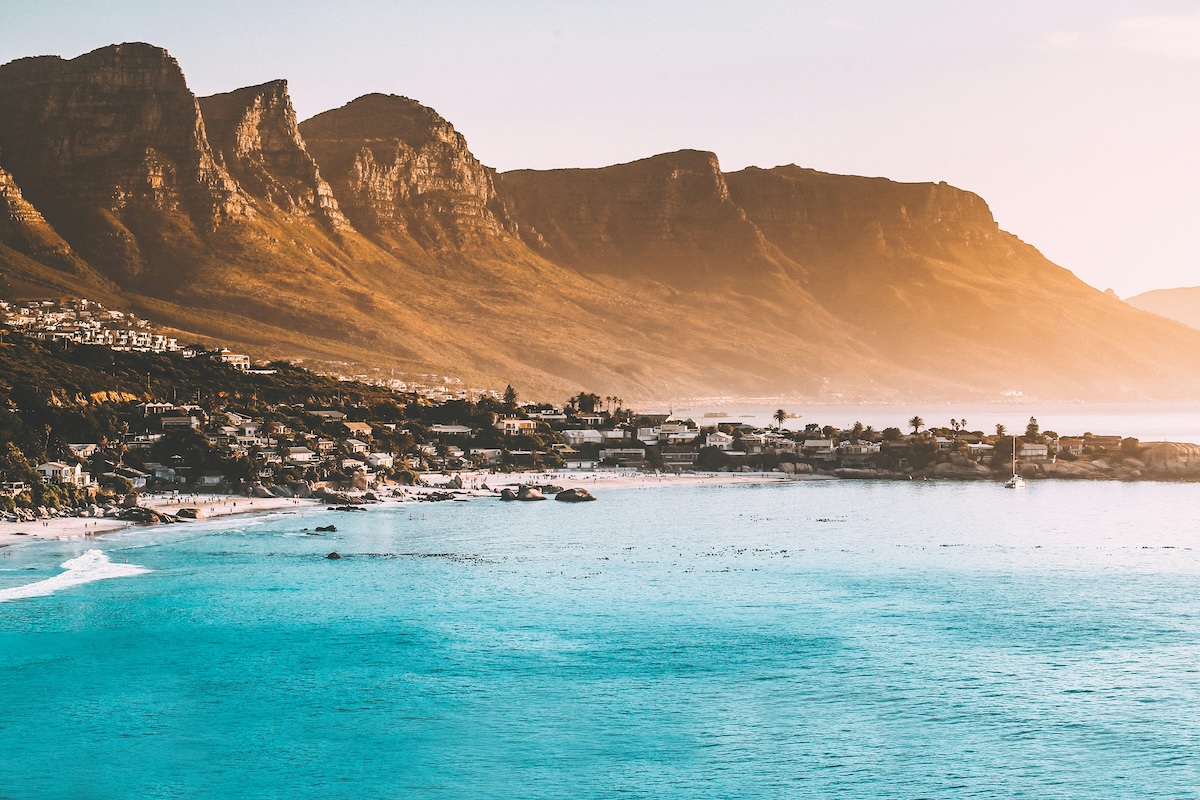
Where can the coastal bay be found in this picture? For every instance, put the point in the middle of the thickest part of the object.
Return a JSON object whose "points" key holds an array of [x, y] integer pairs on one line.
{"points": [[784, 639]]}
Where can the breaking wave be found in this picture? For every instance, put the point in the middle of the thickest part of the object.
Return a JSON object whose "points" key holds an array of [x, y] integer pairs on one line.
{"points": [[93, 565]]}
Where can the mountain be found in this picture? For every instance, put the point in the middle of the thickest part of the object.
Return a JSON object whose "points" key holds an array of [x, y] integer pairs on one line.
{"points": [[371, 235], [406, 176], [1182, 305]]}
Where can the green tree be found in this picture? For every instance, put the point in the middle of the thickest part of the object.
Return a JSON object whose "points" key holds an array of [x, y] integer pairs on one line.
{"points": [[916, 423], [1000, 429], [1032, 431], [780, 417], [510, 396]]}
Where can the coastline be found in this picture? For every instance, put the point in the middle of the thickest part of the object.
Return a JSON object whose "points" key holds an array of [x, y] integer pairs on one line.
{"points": [[479, 485], [82, 528]]}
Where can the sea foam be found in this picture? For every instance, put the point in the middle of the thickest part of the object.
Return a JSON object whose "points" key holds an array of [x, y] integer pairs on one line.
{"points": [[93, 565]]}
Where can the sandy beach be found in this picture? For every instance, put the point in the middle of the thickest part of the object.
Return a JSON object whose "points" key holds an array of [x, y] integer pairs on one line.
{"points": [[214, 506], [211, 506]]}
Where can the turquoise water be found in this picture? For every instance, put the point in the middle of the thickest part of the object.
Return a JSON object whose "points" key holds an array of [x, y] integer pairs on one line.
{"points": [[785, 641]]}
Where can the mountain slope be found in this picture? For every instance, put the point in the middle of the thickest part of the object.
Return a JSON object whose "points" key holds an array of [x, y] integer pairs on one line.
{"points": [[1181, 305], [926, 275], [372, 235]]}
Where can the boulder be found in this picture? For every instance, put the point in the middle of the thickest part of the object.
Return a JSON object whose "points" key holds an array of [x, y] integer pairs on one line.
{"points": [[334, 555], [190, 513], [280, 491], [300, 489], [574, 496], [530, 493], [327, 528], [261, 491], [456, 482], [508, 494], [1173, 458]]}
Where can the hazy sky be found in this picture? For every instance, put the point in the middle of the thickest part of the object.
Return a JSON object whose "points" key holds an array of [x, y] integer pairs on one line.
{"points": [[1077, 122]]}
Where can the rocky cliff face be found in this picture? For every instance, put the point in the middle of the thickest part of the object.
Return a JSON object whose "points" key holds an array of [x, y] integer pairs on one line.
{"points": [[401, 172], [25, 230], [255, 136], [809, 213], [110, 147], [669, 218], [662, 277]]}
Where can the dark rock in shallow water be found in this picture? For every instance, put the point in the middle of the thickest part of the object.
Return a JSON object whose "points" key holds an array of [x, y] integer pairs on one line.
{"points": [[508, 494], [575, 496], [334, 555], [327, 528], [530, 493]]}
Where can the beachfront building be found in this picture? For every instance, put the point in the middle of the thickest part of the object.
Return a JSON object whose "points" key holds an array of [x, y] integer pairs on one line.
{"points": [[381, 460], [719, 440], [575, 438], [65, 474], [623, 456], [1032, 451]]}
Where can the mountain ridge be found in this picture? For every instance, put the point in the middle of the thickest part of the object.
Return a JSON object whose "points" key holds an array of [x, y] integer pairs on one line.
{"points": [[371, 233]]}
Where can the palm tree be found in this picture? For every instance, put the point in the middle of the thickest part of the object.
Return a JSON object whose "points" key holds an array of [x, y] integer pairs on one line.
{"points": [[1000, 430], [916, 423], [780, 417], [869, 433]]}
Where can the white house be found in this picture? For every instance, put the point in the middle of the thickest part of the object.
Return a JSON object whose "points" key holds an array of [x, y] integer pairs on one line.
{"points": [[300, 455], [381, 460], [356, 446], [578, 437], [1031, 451], [721, 441], [66, 474], [451, 429]]}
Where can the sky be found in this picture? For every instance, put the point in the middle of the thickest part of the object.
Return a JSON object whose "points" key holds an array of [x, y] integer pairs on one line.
{"points": [[1077, 122]]}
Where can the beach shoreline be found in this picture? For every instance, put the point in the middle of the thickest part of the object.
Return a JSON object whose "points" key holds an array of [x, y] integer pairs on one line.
{"points": [[223, 506]]}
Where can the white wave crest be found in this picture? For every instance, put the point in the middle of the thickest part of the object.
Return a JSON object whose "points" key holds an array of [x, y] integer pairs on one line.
{"points": [[93, 565]]}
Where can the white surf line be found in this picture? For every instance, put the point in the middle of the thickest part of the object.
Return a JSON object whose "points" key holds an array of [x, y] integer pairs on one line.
{"points": [[93, 565]]}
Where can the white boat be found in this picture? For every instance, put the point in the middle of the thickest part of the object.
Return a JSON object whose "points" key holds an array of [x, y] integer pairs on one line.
{"points": [[1016, 481]]}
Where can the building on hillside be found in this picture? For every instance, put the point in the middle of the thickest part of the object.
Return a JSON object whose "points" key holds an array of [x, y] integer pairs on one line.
{"points": [[83, 450], [578, 437], [623, 456], [1033, 451], [381, 460], [721, 441], [64, 474], [452, 430], [356, 446], [511, 426], [300, 456], [1070, 444], [676, 458], [819, 449], [359, 430], [235, 360], [173, 422]]}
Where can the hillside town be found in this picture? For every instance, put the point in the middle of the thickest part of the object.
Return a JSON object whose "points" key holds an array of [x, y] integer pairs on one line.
{"points": [[290, 449]]}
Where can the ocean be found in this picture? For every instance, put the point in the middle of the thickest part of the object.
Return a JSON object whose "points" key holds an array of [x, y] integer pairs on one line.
{"points": [[816, 639]]}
